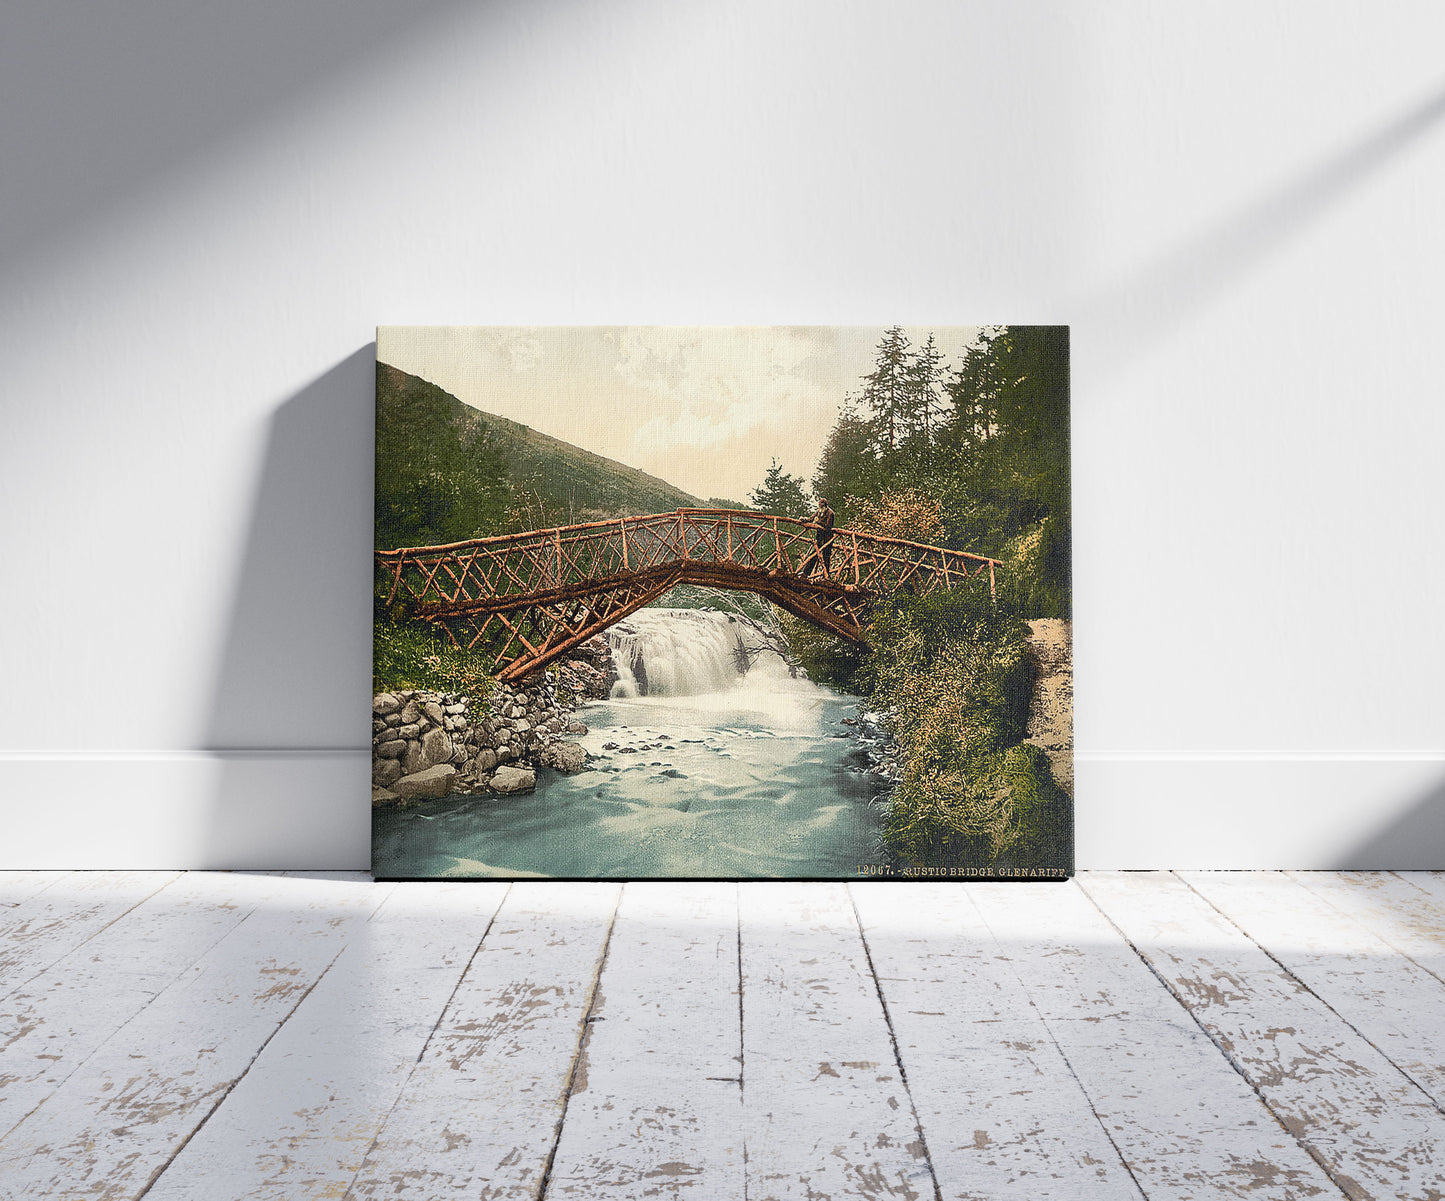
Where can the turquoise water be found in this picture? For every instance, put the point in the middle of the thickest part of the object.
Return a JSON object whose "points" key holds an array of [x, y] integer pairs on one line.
{"points": [[757, 777]]}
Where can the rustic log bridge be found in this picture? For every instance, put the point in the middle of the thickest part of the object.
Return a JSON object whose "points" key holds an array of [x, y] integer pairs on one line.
{"points": [[534, 596]]}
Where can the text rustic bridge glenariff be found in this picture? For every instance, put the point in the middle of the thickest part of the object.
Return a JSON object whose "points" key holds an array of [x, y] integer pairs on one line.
{"points": [[535, 596]]}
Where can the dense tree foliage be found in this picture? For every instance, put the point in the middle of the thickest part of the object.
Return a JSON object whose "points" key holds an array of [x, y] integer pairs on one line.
{"points": [[987, 439], [973, 456]]}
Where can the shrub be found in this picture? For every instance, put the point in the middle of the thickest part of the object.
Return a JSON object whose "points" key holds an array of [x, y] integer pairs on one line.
{"points": [[907, 513], [826, 658], [1036, 571], [419, 655], [955, 675]]}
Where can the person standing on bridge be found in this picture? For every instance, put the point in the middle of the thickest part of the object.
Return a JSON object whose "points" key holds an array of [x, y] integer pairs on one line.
{"points": [[822, 551]]}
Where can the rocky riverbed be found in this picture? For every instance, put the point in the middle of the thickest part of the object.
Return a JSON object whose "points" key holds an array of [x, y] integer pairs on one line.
{"points": [[426, 745]]}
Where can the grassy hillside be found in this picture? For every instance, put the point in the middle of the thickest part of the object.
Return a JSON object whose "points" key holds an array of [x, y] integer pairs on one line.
{"points": [[446, 471], [574, 484]]}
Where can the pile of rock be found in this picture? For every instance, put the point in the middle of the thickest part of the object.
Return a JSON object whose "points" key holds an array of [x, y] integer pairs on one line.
{"points": [[588, 673], [429, 744], [878, 743]]}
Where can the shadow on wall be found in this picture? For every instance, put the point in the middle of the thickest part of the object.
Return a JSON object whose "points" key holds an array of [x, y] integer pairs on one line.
{"points": [[1150, 304], [290, 711], [1413, 842], [117, 97]]}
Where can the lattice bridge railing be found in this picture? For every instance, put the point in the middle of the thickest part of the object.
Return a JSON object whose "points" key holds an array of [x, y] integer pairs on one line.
{"points": [[532, 597]]}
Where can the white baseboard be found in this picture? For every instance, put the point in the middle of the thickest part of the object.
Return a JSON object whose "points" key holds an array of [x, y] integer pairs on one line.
{"points": [[186, 809], [311, 809], [1281, 809]]}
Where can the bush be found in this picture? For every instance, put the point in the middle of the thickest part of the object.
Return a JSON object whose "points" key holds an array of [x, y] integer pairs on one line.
{"points": [[1002, 809], [907, 513], [1036, 570], [420, 655], [826, 658], [956, 678]]}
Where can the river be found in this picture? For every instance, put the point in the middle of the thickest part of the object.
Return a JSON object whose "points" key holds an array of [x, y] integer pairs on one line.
{"points": [[697, 769]]}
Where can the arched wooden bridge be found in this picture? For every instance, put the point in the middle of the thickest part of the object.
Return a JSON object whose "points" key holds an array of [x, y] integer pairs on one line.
{"points": [[535, 596]]}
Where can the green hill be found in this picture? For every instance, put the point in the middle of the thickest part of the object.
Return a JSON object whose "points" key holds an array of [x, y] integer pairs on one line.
{"points": [[576, 484], [446, 471]]}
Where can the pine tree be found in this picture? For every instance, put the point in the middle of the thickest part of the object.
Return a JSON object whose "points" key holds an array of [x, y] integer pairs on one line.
{"points": [[886, 391], [924, 377], [848, 465], [925, 405], [781, 494], [973, 388]]}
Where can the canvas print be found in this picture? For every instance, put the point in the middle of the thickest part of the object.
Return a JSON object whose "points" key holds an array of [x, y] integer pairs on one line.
{"points": [[754, 602]]}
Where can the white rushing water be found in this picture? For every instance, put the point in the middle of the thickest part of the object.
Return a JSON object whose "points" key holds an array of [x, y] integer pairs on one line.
{"points": [[712, 758], [676, 652]]}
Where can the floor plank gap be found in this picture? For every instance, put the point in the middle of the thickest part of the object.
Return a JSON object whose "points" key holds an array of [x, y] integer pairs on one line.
{"points": [[1304, 986], [579, 1057], [893, 1042], [1224, 1051], [160, 1170]]}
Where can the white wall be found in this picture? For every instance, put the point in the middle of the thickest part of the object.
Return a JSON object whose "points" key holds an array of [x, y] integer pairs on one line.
{"points": [[206, 207]]}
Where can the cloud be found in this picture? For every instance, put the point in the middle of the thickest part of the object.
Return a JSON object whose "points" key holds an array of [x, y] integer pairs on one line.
{"points": [[718, 386]]}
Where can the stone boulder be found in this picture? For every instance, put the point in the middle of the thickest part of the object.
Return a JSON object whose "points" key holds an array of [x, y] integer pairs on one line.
{"points": [[513, 779], [383, 796], [565, 757], [426, 785], [436, 746], [385, 772]]}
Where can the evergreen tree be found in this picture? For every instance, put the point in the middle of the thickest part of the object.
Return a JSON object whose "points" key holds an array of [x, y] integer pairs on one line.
{"points": [[972, 389], [993, 452], [781, 494], [887, 391], [925, 401], [848, 466]]}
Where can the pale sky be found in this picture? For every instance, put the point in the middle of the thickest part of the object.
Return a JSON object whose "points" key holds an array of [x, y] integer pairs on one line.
{"points": [[704, 408]]}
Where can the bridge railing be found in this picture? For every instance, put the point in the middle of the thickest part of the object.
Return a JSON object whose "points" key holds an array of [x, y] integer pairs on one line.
{"points": [[541, 560]]}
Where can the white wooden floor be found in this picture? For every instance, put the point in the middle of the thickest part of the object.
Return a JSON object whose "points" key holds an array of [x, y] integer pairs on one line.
{"points": [[1190, 1035]]}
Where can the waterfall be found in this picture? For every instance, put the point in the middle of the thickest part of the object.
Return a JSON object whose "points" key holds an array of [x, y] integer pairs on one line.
{"points": [[676, 652]]}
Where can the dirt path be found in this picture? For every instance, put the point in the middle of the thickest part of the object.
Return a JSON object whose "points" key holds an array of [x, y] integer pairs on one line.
{"points": [[1051, 715]]}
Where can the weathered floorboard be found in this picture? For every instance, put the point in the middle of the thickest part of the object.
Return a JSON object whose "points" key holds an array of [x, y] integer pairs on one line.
{"points": [[1402, 908], [301, 1120], [826, 1111], [53, 1023], [479, 1116], [1002, 1114], [124, 1113], [17, 886], [1392, 1002], [655, 1108], [1188, 1127], [229, 1036], [1375, 1131], [48, 925]]}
